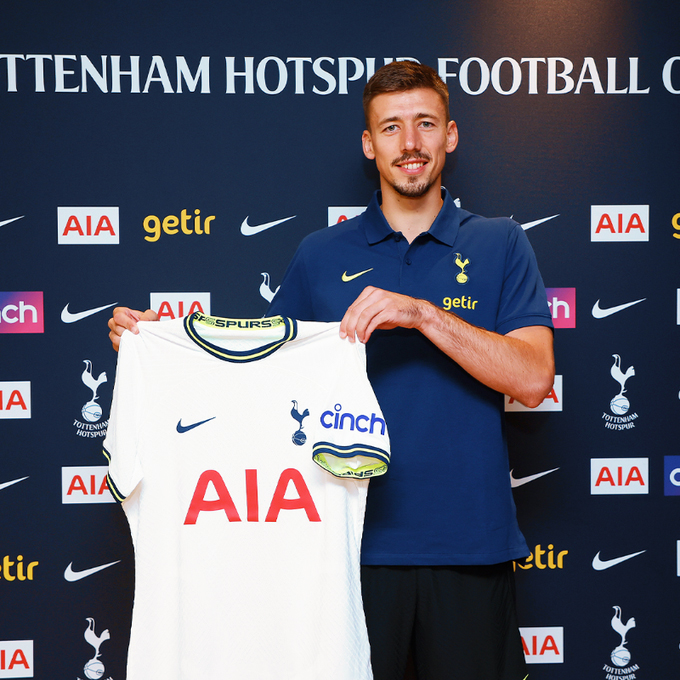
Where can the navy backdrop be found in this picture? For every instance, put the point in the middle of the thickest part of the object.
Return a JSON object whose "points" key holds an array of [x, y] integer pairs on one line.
{"points": [[138, 137]]}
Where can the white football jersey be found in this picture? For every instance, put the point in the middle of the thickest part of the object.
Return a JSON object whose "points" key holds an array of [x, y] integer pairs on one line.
{"points": [[241, 451]]}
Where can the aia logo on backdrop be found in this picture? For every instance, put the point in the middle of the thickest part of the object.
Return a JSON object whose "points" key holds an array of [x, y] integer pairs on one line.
{"points": [[16, 659], [553, 402], [337, 214], [21, 312], [15, 399], [619, 223], [615, 476], [543, 645], [85, 485], [562, 303], [177, 305], [87, 226]]}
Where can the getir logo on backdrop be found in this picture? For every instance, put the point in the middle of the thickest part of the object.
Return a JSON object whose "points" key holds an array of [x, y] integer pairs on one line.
{"points": [[619, 476], [671, 476], [15, 399], [16, 658], [543, 645], [85, 485], [553, 402], [562, 303], [21, 312], [619, 223], [177, 305], [87, 226]]}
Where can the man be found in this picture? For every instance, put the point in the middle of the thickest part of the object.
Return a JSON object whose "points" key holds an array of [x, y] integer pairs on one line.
{"points": [[454, 314]]}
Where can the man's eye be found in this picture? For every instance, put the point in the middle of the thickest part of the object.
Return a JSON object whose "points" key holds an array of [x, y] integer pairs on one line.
{"points": [[390, 128]]}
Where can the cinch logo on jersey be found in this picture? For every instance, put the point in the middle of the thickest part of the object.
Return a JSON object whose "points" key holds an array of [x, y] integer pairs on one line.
{"points": [[621, 668], [543, 645], [543, 559], [15, 399], [619, 223], [16, 569], [173, 224], [671, 476], [85, 485], [337, 214], [614, 476], [177, 305], [562, 303], [337, 420], [91, 411], [21, 312], [553, 402], [16, 659], [619, 405], [87, 226]]}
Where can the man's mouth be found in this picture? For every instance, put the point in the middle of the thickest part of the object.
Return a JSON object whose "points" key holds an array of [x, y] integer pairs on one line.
{"points": [[411, 162]]}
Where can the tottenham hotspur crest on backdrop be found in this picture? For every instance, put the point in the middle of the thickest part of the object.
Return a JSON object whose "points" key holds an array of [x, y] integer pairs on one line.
{"points": [[91, 411], [620, 405], [620, 656], [94, 669], [299, 437]]}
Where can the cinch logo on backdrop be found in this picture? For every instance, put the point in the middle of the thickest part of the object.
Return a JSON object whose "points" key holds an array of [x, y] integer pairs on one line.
{"points": [[619, 223], [614, 476], [85, 485], [337, 214], [15, 399], [21, 312], [177, 305], [543, 645], [183, 223], [671, 476], [553, 402], [16, 659], [87, 226], [562, 303]]}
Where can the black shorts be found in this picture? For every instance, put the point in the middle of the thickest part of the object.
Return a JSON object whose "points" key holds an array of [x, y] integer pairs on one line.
{"points": [[459, 623]]}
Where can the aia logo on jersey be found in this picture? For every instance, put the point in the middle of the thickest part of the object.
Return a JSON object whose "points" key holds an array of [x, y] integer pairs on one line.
{"points": [[337, 214], [21, 312], [85, 485], [543, 645], [562, 303], [553, 402], [15, 399], [16, 659], [619, 223], [177, 305], [619, 476], [87, 226]]}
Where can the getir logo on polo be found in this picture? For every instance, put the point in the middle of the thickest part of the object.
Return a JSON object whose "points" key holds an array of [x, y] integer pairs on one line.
{"points": [[543, 645], [86, 484], [15, 399], [619, 223], [21, 312], [562, 303], [553, 402], [616, 476], [177, 305], [88, 226], [16, 659]]}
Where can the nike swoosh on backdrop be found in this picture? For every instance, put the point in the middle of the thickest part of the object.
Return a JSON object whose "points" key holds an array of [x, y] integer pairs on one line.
{"points": [[525, 480], [185, 428], [4, 485], [600, 313], [350, 277], [14, 219], [72, 576], [600, 565], [528, 225], [67, 317], [247, 230]]}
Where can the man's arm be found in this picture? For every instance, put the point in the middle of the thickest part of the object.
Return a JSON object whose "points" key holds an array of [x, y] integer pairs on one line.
{"points": [[519, 364], [124, 319]]}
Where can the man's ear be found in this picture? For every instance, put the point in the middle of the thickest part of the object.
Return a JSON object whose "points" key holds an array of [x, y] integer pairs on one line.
{"points": [[367, 144], [452, 136]]}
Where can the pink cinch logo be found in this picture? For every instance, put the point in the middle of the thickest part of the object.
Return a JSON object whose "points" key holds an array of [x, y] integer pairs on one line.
{"points": [[562, 303], [21, 312]]}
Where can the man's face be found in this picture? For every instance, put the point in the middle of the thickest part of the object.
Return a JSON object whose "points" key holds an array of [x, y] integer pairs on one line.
{"points": [[409, 138]]}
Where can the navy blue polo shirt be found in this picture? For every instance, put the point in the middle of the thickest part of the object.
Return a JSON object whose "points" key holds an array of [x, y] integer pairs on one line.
{"points": [[446, 498]]}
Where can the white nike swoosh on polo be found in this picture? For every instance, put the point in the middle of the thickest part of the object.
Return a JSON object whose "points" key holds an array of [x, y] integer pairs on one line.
{"points": [[600, 565], [67, 317], [247, 230], [528, 225], [14, 219], [525, 480], [600, 313], [4, 485], [72, 576]]}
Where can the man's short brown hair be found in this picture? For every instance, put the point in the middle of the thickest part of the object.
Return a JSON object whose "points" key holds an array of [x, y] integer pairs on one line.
{"points": [[401, 76]]}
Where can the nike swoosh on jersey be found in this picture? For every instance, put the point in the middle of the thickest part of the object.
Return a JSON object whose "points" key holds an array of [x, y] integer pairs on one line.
{"points": [[525, 480], [68, 317], [600, 313], [601, 565], [14, 219], [247, 230], [528, 225], [4, 485], [185, 428], [73, 576], [350, 277]]}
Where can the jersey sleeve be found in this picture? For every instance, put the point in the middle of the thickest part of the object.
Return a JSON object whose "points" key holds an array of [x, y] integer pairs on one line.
{"points": [[121, 445], [351, 439]]}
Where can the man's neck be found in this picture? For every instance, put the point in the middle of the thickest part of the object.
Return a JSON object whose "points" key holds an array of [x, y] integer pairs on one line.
{"points": [[411, 216]]}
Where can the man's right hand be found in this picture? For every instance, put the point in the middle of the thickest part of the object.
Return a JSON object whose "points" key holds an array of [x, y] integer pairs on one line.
{"points": [[125, 318]]}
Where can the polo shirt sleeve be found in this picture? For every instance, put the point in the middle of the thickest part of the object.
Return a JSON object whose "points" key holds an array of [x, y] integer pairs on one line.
{"points": [[293, 298], [523, 299]]}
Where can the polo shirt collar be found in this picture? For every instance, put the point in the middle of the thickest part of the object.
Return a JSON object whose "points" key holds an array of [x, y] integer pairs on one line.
{"points": [[443, 229]]}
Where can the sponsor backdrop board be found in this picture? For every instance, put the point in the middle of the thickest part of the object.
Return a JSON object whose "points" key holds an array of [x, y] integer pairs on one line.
{"points": [[174, 154]]}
